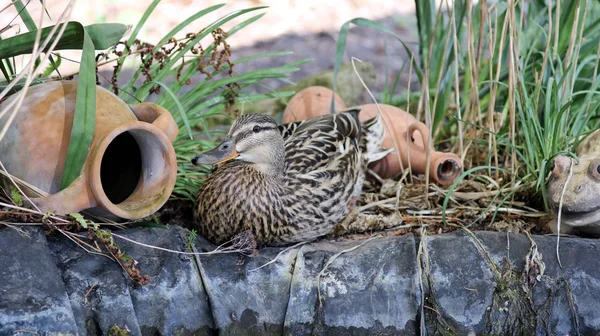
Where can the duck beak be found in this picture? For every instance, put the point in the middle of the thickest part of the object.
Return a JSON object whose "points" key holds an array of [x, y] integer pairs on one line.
{"points": [[222, 153]]}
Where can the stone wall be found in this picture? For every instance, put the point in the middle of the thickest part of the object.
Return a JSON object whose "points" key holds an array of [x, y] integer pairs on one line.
{"points": [[444, 284]]}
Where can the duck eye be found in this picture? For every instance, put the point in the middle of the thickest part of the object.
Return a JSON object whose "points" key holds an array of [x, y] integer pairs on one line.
{"points": [[552, 166], [256, 129]]}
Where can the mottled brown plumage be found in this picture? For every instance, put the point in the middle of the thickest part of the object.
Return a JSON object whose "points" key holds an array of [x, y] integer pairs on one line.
{"points": [[285, 183]]}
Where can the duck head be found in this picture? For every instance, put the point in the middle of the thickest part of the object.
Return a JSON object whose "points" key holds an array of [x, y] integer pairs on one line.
{"points": [[253, 139]]}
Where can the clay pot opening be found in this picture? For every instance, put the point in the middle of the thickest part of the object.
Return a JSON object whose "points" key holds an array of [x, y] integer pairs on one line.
{"points": [[134, 172], [447, 170], [121, 168]]}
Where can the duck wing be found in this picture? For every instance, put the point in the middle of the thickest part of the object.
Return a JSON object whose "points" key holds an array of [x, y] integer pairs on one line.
{"points": [[326, 142]]}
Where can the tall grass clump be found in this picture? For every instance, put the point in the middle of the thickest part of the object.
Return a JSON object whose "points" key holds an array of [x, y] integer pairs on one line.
{"points": [[509, 84], [534, 76]]}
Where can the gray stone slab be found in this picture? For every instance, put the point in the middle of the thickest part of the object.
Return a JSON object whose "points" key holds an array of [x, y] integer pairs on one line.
{"points": [[479, 285], [98, 289], [460, 281], [512, 310], [245, 298], [103, 296], [174, 302], [32, 295], [502, 247], [565, 300], [301, 313], [571, 293], [473, 283], [371, 290]]}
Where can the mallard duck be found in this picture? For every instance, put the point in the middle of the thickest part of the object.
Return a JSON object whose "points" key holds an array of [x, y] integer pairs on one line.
{"points": [[284, 183]]}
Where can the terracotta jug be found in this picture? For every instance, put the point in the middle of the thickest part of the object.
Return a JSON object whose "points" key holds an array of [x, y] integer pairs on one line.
{"points": [[130, 169]]}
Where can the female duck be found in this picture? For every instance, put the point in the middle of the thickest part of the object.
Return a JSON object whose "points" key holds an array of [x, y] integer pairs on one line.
{"points": [[286, 183]]}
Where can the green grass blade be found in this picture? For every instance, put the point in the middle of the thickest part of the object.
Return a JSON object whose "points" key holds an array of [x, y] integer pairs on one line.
{"points": [[395, 84], [190, 71], [9, 68], [4, 70], [263, 55], [426, 13], [142, 21], [101, 35], [188, 21], [528, 130], [105, 35], [30, 24], [167, 69], [206, 31], [45, 9], [20, 83], [251, 76], [567, 20], [245, 23], [24, 14], [386, 89], [52, 67], [457, 181], [84, 120], [250, 98]]}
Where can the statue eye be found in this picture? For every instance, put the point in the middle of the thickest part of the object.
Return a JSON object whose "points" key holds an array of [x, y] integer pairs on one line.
{"points": [[594, 169], [256, 129]]}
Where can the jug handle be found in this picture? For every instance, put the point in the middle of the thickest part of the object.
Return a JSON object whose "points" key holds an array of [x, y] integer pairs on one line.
{"points": [[157, 116], [424, 131]]}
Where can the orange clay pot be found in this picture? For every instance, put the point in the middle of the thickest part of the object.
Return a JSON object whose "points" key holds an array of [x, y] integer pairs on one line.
{"points": [[410, 134], [130, 168], [411, 137], [314, 100]]}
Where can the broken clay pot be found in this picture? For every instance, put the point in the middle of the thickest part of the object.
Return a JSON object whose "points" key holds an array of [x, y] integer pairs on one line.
{"points": [[411, 136], [130, 169], [313, 101]]}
